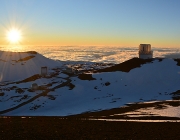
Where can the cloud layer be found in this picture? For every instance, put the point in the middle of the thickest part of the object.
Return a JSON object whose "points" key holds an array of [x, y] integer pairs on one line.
{"points": [[96, 54]]}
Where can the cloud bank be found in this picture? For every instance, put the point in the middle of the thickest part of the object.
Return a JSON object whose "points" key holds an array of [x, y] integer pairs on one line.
{"points": [[96, 54]]}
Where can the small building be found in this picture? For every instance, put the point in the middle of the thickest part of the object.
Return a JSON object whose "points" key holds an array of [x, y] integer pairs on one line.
{"points": [[43, 71], [34, 86], [145, 51]]}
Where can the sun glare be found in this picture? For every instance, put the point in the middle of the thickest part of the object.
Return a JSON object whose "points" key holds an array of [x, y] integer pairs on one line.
{"points": [[14, 36]]}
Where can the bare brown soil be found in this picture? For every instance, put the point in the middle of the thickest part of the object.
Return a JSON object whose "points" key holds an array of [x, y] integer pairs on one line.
{"points": [[58, 128]]}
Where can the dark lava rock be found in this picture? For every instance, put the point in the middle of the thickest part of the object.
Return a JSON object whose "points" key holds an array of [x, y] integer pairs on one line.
{"points": [[30, 90], [107, 84], [86, 77], [176, 95], [178, 61], [67, 73], [32, 78], [32, 52], [26, 58], [176, 92], [51, 97], [71, 86], [127, 65], [35, 107], [160, 59], [19, 90], [44, 87], [7, 89], [2, 94], [13, 87], [25, 97]]}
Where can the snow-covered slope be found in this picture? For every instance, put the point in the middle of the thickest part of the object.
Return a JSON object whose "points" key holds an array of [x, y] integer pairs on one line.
{"points": [[15, 66], [66, 95]]}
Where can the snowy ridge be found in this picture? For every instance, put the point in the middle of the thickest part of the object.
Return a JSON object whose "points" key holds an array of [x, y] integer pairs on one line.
{"points": [[62, 94]]}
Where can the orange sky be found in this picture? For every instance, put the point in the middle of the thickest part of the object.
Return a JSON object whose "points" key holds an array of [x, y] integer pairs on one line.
{"points": [[104, 23]]}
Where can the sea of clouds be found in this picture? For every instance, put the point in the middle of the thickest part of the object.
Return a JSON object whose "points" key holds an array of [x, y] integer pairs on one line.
{"points": [[93, 53]]}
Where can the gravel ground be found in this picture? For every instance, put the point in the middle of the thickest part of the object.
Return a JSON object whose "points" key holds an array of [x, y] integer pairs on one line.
{"points": [[59, 128]]}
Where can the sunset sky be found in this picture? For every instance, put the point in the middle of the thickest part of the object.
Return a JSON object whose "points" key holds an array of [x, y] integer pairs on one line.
{"points": [[92, 22]]}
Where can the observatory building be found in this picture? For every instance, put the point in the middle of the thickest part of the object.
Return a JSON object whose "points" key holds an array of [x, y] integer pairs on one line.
{"points": [[145, 51]]}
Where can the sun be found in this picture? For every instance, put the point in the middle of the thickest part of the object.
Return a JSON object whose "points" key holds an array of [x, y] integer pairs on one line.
{"points": [[14, 36]]}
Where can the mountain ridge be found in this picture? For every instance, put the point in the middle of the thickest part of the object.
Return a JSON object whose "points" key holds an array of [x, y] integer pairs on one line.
{"points": [[114, 86]]}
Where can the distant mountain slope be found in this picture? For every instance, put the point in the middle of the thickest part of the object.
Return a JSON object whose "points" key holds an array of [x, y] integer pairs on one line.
{"points": [[20, 65], [60, 94], [127, 65]]}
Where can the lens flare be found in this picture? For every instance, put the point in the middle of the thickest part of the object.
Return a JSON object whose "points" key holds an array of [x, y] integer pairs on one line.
{"points": [[14, 36]]}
